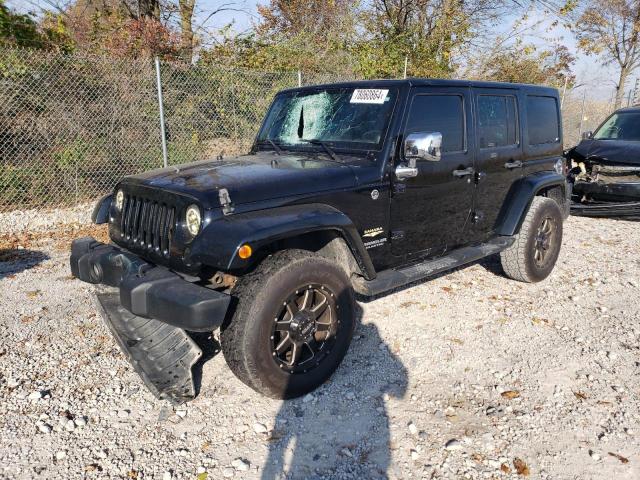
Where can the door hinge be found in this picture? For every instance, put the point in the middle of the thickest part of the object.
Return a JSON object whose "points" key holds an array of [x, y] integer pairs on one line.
{"points": [[397, 235]]}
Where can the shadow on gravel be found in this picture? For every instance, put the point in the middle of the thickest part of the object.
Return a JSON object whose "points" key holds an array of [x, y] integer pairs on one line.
{"points": [[342, 430], [14, 261]]}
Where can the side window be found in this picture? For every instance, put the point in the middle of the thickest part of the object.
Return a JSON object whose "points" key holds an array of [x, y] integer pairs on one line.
{"points": [[439, 113], [542, 120], [497, 121]]}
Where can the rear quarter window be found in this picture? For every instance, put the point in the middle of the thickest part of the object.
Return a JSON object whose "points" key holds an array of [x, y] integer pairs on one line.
{"points": [[542, 120]]}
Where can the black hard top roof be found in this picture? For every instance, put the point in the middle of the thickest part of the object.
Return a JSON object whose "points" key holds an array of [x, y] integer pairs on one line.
{"points": [[628, 110], [435, 82]]}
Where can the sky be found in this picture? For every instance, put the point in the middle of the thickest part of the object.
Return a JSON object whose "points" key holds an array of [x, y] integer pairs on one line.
{"points": [[592, 77]]}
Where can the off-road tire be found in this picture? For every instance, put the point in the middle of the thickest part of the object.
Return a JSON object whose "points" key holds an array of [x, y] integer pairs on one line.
{"points": [[518, 261], [246, 340]]}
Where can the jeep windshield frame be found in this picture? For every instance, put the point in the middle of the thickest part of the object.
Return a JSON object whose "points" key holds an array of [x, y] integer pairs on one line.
{"points": [[303, 120]]}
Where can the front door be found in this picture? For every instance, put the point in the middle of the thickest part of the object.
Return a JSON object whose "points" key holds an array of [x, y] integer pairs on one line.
{"points": [[429, 211], [498, 157]]}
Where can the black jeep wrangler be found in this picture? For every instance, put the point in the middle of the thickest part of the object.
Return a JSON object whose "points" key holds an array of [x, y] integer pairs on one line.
{"points": [[355, 187]]}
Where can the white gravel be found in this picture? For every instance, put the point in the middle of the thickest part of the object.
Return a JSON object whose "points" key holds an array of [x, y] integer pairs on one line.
{"points": [[469, 375], [38, 220]]}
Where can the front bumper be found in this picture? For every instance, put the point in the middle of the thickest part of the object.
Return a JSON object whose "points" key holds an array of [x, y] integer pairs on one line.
{"points": [[147, 290], [608, 192], [148, 310], [600, 199]]}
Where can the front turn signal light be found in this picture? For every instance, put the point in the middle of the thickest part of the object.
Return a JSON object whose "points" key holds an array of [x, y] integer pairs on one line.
{"points": [[245, 251]]}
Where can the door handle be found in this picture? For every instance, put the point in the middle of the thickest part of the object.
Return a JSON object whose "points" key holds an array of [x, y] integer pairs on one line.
{"points": [[463, 173], [510, 165]]}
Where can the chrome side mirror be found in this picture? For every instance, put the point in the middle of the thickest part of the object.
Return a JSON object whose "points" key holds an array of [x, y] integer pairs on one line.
{"points": [[423, 146], [587, 135], [419, 146]]}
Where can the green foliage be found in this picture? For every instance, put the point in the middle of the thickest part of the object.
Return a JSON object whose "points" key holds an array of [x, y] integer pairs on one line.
{"points": [[528, 64], [19, 30]]}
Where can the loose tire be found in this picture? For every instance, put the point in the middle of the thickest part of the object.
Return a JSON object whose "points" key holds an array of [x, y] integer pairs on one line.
{"points": [[292, 326], [533, 255]]}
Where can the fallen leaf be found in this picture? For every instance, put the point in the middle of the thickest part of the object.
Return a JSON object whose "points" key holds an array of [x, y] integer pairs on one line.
{"points": [[521, 467], [447, 289], [457, 340], [505, 468], [510, 394], [33, 293], [132, 474], [540, 321], [477, 457], [619, 457], [580, 395], [202, 476]]}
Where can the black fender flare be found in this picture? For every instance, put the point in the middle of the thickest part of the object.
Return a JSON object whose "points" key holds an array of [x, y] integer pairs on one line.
{"points": [[218, 244], [520, 196], [100, 212]]}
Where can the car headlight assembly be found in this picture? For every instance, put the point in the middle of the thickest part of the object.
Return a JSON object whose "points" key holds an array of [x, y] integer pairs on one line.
{"points": [[559, 166], [119, 200], [193, 219]]}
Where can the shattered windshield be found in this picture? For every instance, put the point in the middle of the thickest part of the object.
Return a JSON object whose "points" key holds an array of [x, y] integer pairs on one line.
{"points": [[620, 126], [342, 117]]}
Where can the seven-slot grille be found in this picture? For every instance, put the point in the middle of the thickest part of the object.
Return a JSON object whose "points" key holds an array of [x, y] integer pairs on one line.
{"points": [[148, 224]]}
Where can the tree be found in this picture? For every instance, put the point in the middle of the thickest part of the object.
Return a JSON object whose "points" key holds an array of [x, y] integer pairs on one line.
{"points": [[611, 30], [313, 35], [429, 34], [528, 64]]}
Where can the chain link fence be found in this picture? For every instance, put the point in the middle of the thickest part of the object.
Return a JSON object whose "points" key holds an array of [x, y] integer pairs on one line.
{"points": [[71, 126]]}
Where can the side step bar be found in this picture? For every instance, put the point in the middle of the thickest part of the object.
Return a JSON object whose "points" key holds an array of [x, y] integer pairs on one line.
{"points": [[163, 355], [390, 279]]}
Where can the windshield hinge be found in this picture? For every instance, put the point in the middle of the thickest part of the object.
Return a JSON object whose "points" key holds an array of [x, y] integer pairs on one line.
{"points": [[225, 201]]}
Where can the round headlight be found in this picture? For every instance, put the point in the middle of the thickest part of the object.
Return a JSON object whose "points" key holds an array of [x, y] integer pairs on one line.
{"points": [[193, 220], [119, 200]]}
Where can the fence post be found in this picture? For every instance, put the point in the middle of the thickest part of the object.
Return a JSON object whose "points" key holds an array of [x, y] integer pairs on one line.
{"points": [[584, 99], [161, 108], [299, 78]]}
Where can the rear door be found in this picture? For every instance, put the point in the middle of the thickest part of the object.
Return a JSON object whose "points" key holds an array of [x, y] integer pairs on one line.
{"points": [[499, 157], [429, 211]]}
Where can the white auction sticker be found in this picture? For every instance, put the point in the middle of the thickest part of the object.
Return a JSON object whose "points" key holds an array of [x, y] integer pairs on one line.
{"points": [[369, 95]]}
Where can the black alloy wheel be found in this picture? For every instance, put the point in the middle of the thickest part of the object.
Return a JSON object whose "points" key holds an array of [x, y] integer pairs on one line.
{"points": [[304, 330], [544, 239]]}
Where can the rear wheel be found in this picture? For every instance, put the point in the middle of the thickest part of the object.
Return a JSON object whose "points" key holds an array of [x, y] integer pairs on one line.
{"points": [[293, 324], [535, 251]]}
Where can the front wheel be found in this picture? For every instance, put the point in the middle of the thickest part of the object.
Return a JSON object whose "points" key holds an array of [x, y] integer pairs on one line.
{"points": [[535, 251], [293, 324]]}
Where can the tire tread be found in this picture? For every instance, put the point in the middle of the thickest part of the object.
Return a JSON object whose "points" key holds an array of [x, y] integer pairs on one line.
{"points": [[514, 258]]}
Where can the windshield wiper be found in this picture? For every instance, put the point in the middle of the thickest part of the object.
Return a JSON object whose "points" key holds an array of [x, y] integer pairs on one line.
{"points": [[273, 144], [327, 148]]}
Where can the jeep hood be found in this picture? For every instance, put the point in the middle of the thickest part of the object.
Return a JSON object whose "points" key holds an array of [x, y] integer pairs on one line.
{"points": [[609, 152], [250, 178]]}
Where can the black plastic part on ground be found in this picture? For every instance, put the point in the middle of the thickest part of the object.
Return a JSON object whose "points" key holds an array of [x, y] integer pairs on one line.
{"points": [[605, 209], [163, 355]]}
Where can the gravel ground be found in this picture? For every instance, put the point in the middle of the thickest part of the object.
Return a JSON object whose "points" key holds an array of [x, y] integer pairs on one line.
{"points": [[469, 375]]}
